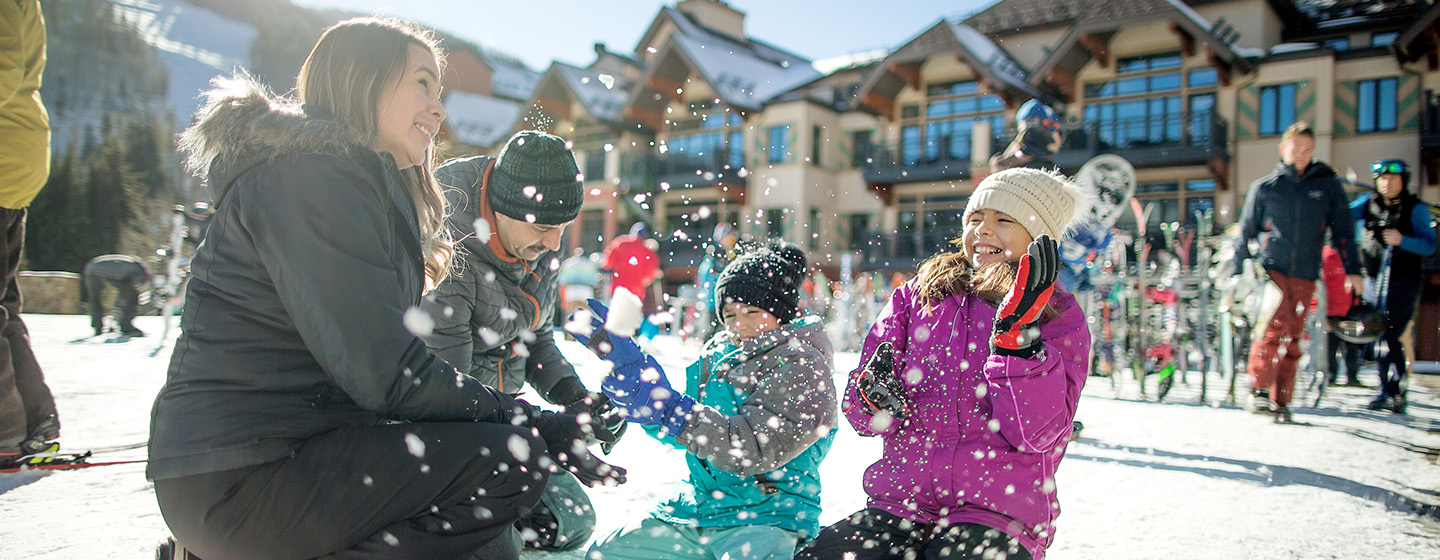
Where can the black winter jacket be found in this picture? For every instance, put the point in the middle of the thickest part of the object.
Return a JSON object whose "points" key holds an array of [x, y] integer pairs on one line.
{"points": [[1288, 214], [293, 322], [494, 317]]}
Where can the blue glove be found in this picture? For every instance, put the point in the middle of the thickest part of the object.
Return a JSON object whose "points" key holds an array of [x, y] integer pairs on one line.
{"points": [[637, 384]]}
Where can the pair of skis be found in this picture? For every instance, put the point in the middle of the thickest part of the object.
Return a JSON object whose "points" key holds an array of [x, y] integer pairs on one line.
{"points": [[71, 461]]}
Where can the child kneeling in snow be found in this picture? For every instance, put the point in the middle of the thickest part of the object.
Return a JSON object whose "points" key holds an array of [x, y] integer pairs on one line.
{"points": [[757, 417], [972, 374]]}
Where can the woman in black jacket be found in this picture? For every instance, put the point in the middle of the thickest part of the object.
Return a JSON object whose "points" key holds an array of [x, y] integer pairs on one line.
{"points": [[302, 416]]}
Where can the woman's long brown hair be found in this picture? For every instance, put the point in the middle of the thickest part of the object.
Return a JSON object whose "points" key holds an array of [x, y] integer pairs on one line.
{"points": [[346, 73]]}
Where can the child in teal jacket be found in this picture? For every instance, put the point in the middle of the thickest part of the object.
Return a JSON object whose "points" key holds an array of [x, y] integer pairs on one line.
{"points": [[756, 419]]}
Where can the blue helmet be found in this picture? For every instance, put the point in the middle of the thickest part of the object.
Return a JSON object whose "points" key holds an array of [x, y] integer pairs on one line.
{"points": [[1396, 166], [1033, 109]]}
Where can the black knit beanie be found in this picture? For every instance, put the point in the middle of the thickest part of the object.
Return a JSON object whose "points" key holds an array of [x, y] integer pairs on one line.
{"points": [[536, 180], [768, 277]]}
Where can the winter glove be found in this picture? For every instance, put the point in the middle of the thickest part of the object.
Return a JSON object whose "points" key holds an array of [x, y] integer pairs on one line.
{"points": [[603, 412], [1034, 283], [637, 384], [565, 437], [879, 388]]}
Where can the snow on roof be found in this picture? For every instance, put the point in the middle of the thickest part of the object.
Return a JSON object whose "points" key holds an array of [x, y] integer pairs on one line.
{"points": [[744, 75], [991, 56], [512, 80], [480, 120], [601, 93], [196, 45]]}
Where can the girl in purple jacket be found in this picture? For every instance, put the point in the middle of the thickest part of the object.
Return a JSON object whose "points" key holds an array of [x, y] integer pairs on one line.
{"points": [[972, 373]]}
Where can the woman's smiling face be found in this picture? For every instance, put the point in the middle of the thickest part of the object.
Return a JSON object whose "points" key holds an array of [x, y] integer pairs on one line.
{"points": [[993, 236]]}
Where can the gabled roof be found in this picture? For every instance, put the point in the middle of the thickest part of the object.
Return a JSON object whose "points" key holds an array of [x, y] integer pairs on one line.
{"points": [[601, 94], [1421, 39], [1000, 72], [1089, 37], [1325, 17], [480, 120], [511, 79], [744, 73]]}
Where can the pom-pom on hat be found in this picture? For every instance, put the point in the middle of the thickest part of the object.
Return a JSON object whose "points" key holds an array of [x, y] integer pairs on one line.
{"points": [[768, 277], [1044, 202], [536, 180]]}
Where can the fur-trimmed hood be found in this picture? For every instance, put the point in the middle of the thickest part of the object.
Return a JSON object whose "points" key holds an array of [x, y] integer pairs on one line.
{"points": [[243, 125]]}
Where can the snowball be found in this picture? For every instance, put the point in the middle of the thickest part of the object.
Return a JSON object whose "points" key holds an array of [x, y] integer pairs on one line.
{"points": [[625, 313]]}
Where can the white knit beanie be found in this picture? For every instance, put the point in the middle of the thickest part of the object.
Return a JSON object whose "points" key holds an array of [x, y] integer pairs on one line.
{"points": [[1044, 202]]}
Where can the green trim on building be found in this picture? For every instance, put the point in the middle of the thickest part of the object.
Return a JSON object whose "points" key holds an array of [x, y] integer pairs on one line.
{"points": [[1345, 96]]}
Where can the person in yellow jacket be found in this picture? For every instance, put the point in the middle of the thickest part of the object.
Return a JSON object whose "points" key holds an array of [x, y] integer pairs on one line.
{"points": [[28, 423]]}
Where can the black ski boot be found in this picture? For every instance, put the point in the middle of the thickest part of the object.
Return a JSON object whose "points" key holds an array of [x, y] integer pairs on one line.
{"points": [[1282, 414], [171, 550]]}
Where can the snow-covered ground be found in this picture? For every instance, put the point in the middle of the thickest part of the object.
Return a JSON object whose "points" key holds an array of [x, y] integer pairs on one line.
{"points": [[1173, 480]]}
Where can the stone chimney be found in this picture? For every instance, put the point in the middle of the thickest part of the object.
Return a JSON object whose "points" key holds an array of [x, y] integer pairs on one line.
{"points": [[716, 15]]}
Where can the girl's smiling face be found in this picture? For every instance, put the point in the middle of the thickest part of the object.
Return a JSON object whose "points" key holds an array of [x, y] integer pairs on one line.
{"points": [[993, 236]]}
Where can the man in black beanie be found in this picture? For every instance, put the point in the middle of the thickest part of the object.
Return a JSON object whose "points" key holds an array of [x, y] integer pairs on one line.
{"points": [[494, 316]]}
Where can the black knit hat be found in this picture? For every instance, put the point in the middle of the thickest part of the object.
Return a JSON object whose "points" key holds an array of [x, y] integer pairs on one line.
{"points": [[768, 277], [536, 180]]}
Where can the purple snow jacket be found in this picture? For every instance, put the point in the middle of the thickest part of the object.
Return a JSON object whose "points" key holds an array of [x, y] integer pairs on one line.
{"points": [[985, 433]]}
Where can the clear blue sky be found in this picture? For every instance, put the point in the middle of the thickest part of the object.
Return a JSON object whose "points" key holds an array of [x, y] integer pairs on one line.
{"points": [[539, 31]]}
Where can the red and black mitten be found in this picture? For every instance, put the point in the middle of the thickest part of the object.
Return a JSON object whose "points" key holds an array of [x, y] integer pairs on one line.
{"points": [[1014, 334]]}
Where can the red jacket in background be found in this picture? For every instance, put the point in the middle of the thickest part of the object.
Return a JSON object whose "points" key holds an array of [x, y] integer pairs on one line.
{"points": [[632, 265], [1332, 271]]}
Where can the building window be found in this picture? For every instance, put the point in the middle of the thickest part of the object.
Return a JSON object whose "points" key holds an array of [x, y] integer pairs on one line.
{"points": [[1143, 104], [1340, 44], [814, 228], [779, 143], [1384, 39], [928, 223], [1375, 102], [942, 131], [860, 147], [592, 230], [712, 135], [1171, 202], [777, 222], [594, 165], [859, 230], [817, 145], [1277, 108]]}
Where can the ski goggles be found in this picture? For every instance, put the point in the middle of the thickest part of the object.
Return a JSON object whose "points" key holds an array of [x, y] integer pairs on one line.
{"points": [[1388, 166]]}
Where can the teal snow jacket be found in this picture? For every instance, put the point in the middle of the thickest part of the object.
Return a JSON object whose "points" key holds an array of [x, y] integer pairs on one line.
{"points": [[767, 419]]}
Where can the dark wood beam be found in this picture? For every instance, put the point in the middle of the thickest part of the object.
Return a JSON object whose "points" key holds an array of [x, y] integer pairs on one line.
{"points": [[885, 191], [648, 117], [881, 104], [908, 71], [1187, 41], [1222, 70], [1064, 81], [1220, 172], [1098, 46], [1432, 57], [558, 108], [665, 86]]}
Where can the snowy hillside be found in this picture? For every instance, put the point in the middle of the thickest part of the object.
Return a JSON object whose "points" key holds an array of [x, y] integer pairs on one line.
{"points": [[196, 45]]}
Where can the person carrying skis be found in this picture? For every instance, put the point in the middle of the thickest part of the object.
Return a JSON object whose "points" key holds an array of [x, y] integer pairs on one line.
{"points": [[494, 318], [128, 275], [301, 415], [1288, 213], [756, 418], [1398, 233], [971, 375]]}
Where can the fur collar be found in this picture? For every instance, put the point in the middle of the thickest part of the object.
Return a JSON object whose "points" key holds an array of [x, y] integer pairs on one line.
{"points": [[243, 125]]}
